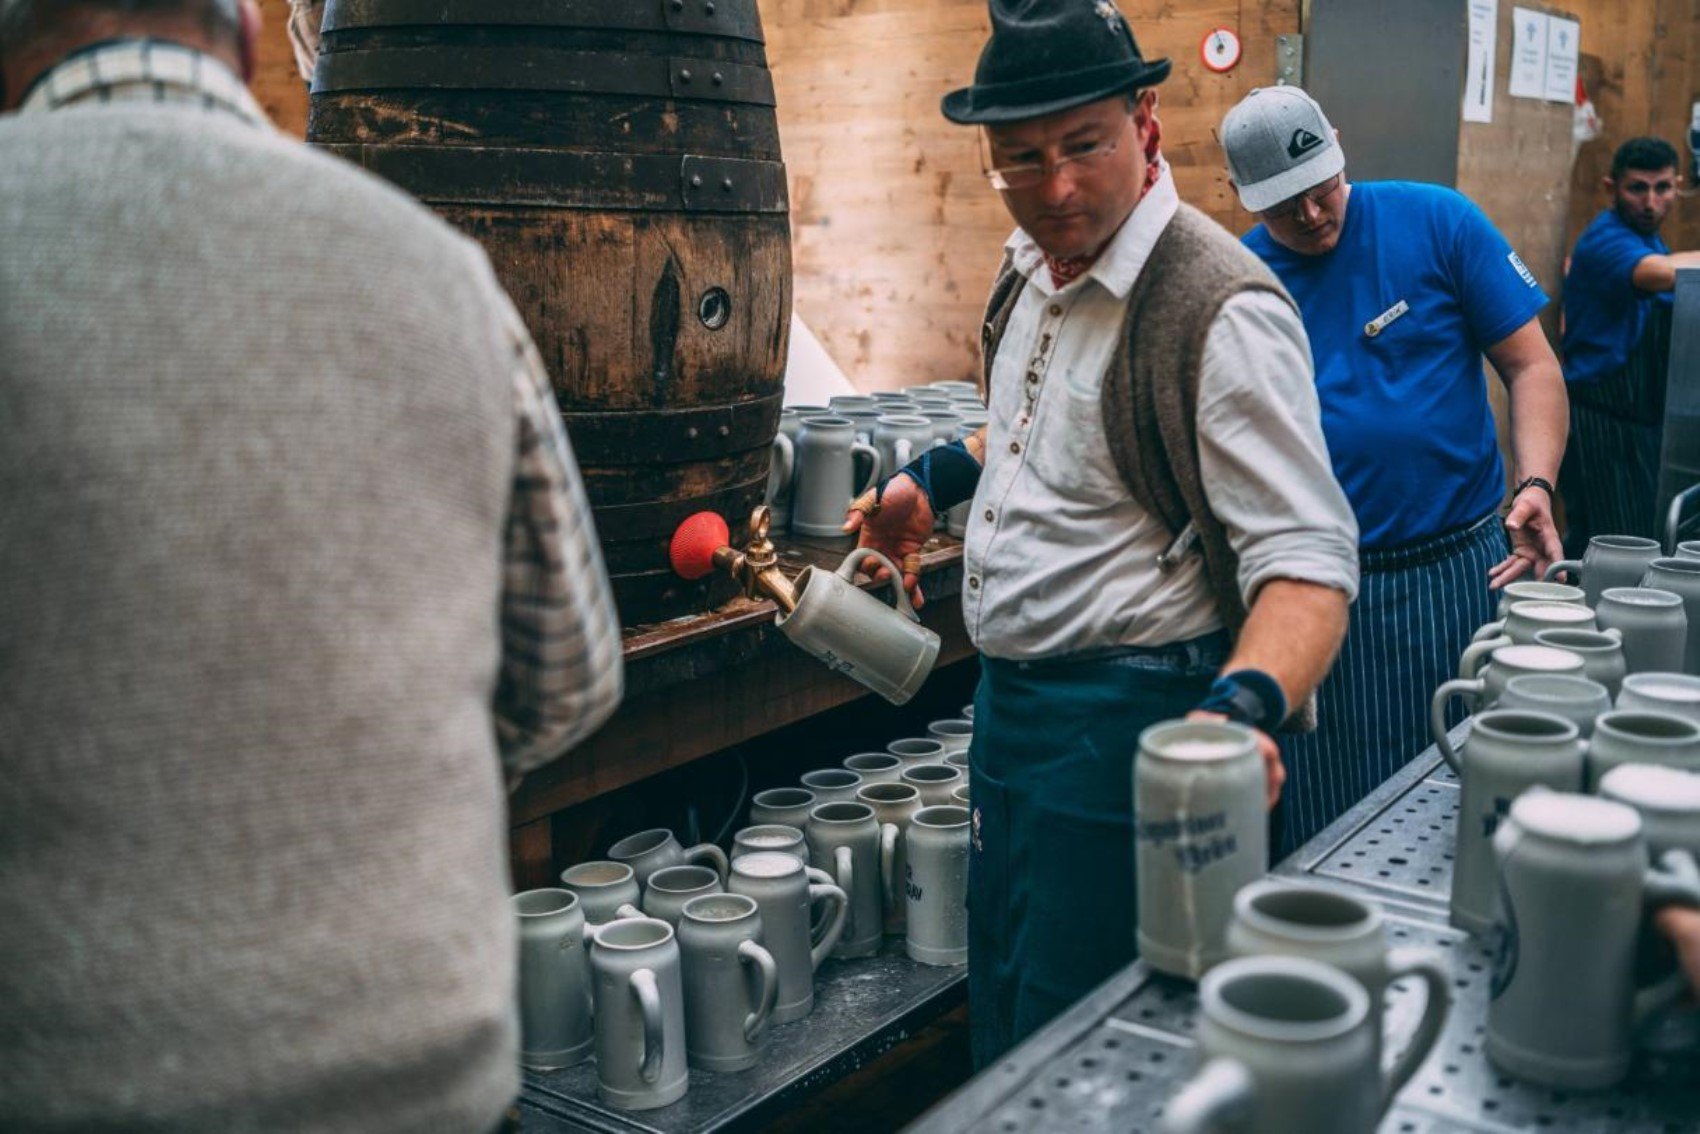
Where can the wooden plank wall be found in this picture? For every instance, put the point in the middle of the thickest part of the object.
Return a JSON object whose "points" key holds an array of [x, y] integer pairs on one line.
{"points": [[1641, 61], [896, 234]]}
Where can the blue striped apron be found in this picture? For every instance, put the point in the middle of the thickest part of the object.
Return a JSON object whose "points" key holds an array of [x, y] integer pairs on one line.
{"points": [[1050, 867], [1417, 608]]}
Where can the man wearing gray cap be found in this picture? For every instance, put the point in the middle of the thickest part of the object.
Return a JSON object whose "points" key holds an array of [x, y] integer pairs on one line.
{"points": [[1154, 529], [1403, 288]]}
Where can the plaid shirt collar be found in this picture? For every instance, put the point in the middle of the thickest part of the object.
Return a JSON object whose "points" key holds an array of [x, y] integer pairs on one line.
{"points": [[143, 71]]}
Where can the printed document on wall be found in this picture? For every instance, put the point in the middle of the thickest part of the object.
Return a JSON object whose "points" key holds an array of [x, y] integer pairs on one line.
{"points": [[1479, 67], [1528, 53], [1564, 41]]}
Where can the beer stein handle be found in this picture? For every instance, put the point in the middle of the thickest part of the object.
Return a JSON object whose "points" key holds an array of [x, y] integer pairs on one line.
{"points": [[889, 835], [1469, 688], [782, 468], [1674, 881], [844, 870], [713, 856], [654, 1038], [1219, 1097], [853, 563], [1574, 566], [1430, 967], [824, 939], [767, 994], [876, 465], [1495, 629], [626, 912], [1477, 652]]}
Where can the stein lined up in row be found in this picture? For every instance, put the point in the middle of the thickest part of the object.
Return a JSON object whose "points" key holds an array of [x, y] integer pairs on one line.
{"points": [[663, 958], [826, 456]]}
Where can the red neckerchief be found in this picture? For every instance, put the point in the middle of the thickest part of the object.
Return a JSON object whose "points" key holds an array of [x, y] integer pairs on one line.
{"points": [[1068, 269]]}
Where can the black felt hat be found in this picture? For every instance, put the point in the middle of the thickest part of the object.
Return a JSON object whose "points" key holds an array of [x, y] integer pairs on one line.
{"points": [[1047, 56]]}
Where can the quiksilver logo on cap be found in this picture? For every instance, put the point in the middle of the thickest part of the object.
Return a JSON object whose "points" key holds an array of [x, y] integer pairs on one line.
{"points": [[1303, 142]]}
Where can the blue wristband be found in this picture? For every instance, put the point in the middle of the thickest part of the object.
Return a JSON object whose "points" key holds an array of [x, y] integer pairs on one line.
{"points": [[1249, 697], [946, 474]]}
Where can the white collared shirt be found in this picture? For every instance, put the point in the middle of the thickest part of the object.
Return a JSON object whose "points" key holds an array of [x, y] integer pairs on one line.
{"points": [[1058, 557]]}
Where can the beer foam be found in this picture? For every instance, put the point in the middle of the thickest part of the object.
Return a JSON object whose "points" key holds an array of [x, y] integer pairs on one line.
{"points": [[1202, 749], [1572, 818], [1653, 787], [1665, 687]]}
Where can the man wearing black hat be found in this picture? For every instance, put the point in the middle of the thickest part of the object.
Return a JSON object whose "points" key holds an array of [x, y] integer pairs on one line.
{"points": [[1155, 528]]}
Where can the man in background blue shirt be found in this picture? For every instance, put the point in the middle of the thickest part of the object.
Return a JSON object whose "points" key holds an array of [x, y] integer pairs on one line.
{"points": [[1617, 345], [1403, 287]]}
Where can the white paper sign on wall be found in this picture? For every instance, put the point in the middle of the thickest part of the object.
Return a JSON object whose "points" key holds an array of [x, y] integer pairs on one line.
{"points": [[1564, 45], [1528, 53]]}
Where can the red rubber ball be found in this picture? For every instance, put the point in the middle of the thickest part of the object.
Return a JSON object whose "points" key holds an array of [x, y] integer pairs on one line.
{"points": [[695, 542]]}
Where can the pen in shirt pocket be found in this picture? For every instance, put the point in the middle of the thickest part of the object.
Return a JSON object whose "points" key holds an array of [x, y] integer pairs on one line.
{"points": [[1379, 324]]}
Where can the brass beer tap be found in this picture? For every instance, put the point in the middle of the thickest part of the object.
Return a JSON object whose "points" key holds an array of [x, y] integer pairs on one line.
{"points": [[756, 568]]}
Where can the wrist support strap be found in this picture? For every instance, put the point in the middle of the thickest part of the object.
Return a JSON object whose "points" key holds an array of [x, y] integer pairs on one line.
{"points": [[947, 474], [1249, 697]]}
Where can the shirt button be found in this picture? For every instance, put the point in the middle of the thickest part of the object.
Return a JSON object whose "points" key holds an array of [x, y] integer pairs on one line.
{"points": [[1015, 446], [973, 582], [1056, 309], [988, 515]]}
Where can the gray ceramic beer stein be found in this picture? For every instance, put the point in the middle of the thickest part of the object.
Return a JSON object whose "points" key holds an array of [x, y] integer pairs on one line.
{"points": [[840, 402], [602, 888], [782, 469], [670, 888], [1573, 884], [918, 750], [875, 767], [935, 782], [1667, 799], [787, 806], [731, 982], [1508, 752], [846, 840], [893, 805], [954, 734], [1674, 693], [1601, 652], [640, 1015], [1680, 577], [884, 647], [1629, 736], [900, 438], [832, 785], [1201, 832], [1483, 692], [1688, 549], [825, 479], [1519, 628], [554, 980], [935, 886], [649, 851], [1533, 590], [960, 796], [786, 893], [944, 420], [967, 711], [1653, 625], [958, 760], [1287, 1046], [1610, 561], [1576, 699], [1340, 930], [780, 837]]}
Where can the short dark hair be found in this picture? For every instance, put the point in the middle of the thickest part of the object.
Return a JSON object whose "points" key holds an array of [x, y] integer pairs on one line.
{"points": [[1646, 154]]}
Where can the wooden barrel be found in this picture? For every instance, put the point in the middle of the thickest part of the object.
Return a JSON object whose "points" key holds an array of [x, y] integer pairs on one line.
{"points": [[619, 161]]}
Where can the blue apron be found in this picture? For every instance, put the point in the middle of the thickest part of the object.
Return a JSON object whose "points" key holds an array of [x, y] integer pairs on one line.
{"points": [[1416, 611], [1050, 878]]}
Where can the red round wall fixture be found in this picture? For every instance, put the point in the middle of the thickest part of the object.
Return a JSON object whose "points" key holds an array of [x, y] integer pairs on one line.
{"points": [[1220, 50]]}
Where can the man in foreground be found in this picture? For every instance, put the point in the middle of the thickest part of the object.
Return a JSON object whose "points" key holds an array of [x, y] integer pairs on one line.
{"points": [[1155, 530], [1404, 287], [295, 567]]}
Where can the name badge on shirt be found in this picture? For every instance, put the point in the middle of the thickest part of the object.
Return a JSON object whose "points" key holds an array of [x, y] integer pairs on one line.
{"points": [[1379, 324]]}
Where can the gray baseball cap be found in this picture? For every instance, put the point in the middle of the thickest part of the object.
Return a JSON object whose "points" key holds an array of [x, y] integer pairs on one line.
{"points": [[1279, 144]]}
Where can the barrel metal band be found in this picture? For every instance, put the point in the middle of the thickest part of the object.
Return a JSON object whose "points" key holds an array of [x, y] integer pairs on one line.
{"points": [[659, 519], [733, 19], [671, 435], [526, 68], [476, 175]]}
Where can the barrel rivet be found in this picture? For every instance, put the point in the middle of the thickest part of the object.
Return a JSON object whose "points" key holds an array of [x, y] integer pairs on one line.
{"points": [[709, 8], [691, 433], [726, 184], [719, 78], [684, 76], [724, 431], [678, 5], [696, 181]]}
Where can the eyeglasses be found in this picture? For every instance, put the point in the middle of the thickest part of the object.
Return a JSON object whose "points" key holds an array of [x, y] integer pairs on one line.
{"points": [[1029, 174], [1315, 196]]}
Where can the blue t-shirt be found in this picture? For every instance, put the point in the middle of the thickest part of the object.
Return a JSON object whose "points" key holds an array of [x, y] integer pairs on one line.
{"points": [[1405, 410], [1604, 312]]}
